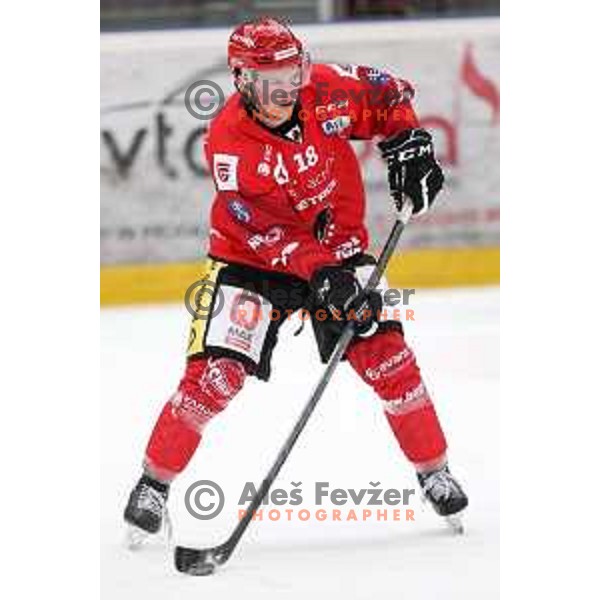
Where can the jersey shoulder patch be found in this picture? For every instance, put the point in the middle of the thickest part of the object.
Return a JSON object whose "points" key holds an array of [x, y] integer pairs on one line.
{"points": [[225, 172]]}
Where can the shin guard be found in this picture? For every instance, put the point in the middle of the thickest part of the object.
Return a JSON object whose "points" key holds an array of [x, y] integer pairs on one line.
{"points": [[388, 365], [206, 388]]}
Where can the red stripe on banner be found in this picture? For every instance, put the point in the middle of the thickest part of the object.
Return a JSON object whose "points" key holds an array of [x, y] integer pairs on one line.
{"points": [[480, 85]]}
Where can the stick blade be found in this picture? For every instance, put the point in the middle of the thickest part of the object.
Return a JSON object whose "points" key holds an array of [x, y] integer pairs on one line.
{"points": [[193, 561]]}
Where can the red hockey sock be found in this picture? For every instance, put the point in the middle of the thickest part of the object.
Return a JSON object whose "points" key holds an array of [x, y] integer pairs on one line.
{"points": [[205, 390], [388, 365]]}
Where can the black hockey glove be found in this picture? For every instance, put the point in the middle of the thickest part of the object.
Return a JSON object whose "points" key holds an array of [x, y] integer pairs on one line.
{"points": [[339, 292], [412, 169]]}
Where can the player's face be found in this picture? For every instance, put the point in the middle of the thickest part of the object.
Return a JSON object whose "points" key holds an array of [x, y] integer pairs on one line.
{"points": [[278, 87], [276, 91]]}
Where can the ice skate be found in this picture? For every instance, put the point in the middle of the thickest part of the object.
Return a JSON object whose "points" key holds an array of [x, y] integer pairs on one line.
{"points": [[445, 495], [145, 511]]}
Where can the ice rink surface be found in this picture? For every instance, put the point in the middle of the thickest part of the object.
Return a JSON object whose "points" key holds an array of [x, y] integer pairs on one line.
{"points": [[347, 443]]}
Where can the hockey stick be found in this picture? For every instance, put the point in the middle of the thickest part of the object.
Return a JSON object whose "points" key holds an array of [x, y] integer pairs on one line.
{"points": [[195, 561]]}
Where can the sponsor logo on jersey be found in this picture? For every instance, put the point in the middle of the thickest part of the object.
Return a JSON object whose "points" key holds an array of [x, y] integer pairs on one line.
{"points": [[317, 199], [377, 77], [268, 155], [239, 211], [337, 125], [322, 176], [280, 173], [272, 236], [324, 112], [294, 134], [225, 172], [285, 254], [348, 248], [263, 169]]}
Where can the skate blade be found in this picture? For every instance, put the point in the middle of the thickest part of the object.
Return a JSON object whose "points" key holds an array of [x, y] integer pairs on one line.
{"points": [[135, 537], [455, 524]]}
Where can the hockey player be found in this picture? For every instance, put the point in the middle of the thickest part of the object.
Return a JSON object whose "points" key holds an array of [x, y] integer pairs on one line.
{"points": [[288, 234]]}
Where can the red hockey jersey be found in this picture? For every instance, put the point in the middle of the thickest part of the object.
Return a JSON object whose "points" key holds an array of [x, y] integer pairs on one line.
{"points": [[295, 203]]}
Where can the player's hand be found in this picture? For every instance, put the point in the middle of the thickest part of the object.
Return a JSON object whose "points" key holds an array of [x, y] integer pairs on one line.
{"points": [[412, 169], [339, 292]]}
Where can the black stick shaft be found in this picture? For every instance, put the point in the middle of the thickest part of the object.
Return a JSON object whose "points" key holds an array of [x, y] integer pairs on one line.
{"points": [[340, 349]]}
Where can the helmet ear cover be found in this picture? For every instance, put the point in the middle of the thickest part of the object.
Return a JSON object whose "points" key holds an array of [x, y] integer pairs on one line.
{"points": [[245, 86]]}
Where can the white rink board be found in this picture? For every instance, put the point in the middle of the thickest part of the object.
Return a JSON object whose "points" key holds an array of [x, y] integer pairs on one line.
{"points": [[158, 212], [347, 442]]}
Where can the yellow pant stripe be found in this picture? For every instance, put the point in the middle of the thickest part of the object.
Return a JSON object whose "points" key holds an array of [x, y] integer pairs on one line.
{"points": [[203, 293]]}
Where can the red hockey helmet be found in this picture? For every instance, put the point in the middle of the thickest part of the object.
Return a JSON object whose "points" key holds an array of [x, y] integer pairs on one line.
{"points": [[267, 46]]}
